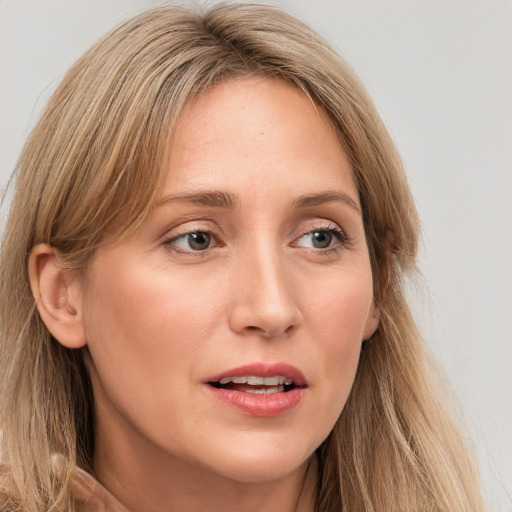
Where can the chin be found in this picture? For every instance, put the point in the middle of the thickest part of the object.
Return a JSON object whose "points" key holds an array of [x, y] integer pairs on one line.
{"points": [[261, 465]]}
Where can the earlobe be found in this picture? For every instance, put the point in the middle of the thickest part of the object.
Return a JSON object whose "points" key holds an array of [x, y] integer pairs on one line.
{"points": [[372, 322], [58, 296]]}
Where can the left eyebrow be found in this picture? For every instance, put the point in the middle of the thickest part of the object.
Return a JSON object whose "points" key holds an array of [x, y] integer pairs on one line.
{"points": [[326, 197]]}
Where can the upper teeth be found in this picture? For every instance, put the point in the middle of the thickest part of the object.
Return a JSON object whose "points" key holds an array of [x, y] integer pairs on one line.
{"points": [[276, 380]]}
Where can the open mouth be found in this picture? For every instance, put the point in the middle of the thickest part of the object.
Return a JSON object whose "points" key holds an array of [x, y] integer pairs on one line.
{"points": [[264, 390], [256, 385]]}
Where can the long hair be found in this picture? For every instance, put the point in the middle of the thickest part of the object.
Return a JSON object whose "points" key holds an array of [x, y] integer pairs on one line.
{"points": [[96, 159]]}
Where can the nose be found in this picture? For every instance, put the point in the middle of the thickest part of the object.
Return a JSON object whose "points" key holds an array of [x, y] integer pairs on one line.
{"points": [[264, 297]]}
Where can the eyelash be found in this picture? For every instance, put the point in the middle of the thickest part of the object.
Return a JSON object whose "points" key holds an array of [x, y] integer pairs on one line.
{"points": [[170, 241], [341, 237]]}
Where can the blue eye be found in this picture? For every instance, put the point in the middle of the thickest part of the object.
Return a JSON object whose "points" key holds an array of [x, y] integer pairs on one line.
{"points": [[321, 238], [196, 241]]}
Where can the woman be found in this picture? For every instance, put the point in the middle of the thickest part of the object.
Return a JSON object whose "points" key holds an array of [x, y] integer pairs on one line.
{"points": [[212, 227]]}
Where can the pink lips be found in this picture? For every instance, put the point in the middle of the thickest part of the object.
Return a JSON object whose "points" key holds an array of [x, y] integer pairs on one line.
{"points": [[261, 405]]}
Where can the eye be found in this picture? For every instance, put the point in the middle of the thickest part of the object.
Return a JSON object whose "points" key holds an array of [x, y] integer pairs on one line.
{"points": [[188, 242], [321, 238]]}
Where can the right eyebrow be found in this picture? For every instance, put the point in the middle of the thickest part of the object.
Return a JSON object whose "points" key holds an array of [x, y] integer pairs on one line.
{"points": [[211, 198]]}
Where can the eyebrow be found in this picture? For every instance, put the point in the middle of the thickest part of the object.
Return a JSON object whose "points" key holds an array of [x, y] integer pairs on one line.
{"points": [[214, 199], [227, 200], [326, 197]]}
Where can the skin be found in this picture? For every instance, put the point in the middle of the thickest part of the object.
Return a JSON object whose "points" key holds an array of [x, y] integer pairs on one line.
{"points": [[158, 317]]}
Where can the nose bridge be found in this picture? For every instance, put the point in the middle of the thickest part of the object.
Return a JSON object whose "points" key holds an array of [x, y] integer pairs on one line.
{"points": [[265, 301]]}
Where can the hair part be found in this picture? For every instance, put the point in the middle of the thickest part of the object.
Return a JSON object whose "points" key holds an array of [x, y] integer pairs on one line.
{"points": [[94, 165]]}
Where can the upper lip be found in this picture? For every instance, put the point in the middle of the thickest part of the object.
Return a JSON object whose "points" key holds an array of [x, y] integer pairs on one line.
{"points": [[261, 369]]}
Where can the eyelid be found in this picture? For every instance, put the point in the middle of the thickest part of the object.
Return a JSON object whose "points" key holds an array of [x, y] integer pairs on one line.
{"points": [[317, 224], [343, 240], [168, 242], [190, 227]]}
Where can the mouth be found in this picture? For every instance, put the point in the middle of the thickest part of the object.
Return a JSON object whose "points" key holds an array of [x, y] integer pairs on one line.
{"points": [[260, 389], [256, 384]]}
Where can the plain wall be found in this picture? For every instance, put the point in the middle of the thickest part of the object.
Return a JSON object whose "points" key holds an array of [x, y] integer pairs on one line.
{"points": [[440, 72]]}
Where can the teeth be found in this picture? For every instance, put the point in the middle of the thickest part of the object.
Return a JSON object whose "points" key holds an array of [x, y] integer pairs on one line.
{"points": [[252, 380], [266, 391]]}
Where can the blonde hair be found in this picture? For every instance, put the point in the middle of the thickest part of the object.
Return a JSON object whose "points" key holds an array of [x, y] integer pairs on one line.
{"points": [[95, 160]]}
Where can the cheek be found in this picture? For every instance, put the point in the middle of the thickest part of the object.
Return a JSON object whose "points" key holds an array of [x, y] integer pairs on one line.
{"points": [[338, 309], [144, 327], [132, 302], [147, 329], [336, 322]]}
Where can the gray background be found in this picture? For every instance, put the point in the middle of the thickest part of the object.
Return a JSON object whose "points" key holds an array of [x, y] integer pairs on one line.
{"points": [[440, 72]]}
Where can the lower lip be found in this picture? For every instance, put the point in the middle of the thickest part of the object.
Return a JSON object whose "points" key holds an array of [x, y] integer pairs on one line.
{"points": [[263, 406]]}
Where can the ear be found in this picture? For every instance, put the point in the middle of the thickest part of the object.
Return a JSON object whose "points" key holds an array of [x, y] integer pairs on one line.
{"points": [[372, 322], [57, 292]]}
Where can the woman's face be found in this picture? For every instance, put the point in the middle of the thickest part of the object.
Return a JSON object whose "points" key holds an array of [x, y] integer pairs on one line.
{"points": [[225, 334]]}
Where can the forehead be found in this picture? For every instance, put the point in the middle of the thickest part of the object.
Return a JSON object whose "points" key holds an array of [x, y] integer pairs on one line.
{"points": [[257, 133]]}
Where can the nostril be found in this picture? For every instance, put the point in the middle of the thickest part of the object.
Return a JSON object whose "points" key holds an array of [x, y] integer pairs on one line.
{"points": [[269, 332], [290, 329]]}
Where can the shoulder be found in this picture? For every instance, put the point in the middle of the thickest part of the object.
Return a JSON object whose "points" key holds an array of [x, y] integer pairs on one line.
{"points": [[91, 496]]}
